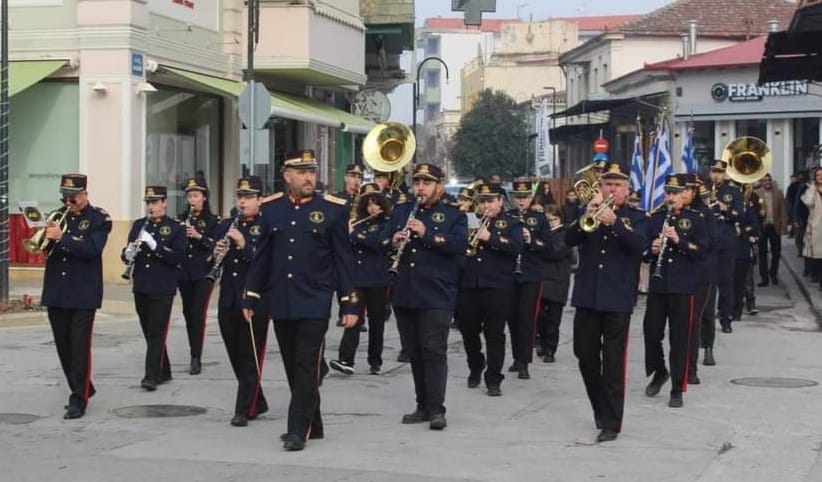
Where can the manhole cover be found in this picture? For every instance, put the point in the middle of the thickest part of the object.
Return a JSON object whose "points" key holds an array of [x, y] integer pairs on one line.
{"points": [[158, 411], [17, 418], [774, 382]]}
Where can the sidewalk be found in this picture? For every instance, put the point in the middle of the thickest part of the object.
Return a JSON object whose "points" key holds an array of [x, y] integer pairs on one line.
{"points": [[792, 267]]}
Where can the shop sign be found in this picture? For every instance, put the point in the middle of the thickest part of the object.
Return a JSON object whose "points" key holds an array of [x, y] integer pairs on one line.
{"points": [[137, 64], [754, 93]]}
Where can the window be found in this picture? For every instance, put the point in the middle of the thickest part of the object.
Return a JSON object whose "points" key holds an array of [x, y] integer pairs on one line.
{"points": [[432, 78], [753, 127], [432, 45], [806, 145]]}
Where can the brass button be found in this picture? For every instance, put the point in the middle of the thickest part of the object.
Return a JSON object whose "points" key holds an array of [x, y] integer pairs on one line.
{"points": [[413, 250], [64, 259], [411, 264], [148, 266], [234, 274], [63, 273], [290, 275], [670, 260], [479, 260], [190, 255], [293, 223], [605, 237], [290, 257], [296, 207], [359, 261], [360, 251], [236, 260], [602, 252], [601, 266], [291, 240]]}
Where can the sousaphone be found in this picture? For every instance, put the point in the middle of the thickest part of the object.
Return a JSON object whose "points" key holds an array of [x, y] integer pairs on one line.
{"points": [[748, 158], [389, 147]]}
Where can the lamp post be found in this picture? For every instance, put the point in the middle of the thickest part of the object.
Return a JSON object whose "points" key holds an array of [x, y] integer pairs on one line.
{"points": [[4, 150], [416, 99]]}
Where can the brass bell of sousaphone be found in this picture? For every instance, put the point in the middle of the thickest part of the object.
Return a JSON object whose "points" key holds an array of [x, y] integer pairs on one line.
{"points": [[748, 158], [389, 147]]}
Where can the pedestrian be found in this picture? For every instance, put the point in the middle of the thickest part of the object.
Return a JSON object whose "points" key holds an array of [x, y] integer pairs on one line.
{"points": [[555, 284], [73, 285], [303, 259], [772, 213], [812, 198]]}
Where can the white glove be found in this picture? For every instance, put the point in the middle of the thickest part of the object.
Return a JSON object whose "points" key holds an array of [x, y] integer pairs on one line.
{"points": [[148, 239], [131, 251]]}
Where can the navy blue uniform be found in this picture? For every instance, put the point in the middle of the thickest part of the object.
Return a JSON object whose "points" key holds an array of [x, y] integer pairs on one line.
{"points": [[532, 264], [605, 290], [195, 289], [301, 261], [424, 294], [554, 293], [703, 325], [154, 285], [72, 291], [726, 234], [745, 258], [250, 400], [486, 287], [371, 279], [671, 297]]}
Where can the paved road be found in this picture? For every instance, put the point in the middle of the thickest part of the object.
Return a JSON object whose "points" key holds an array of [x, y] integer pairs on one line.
{"points": [[541, 429]]}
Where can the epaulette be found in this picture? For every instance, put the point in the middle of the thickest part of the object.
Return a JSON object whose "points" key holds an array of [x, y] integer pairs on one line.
{"points": [[272, 197], [105, 213], [335, 200]]}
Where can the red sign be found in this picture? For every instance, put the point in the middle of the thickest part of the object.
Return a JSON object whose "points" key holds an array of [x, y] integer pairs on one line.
{"points": [[601, 145]]}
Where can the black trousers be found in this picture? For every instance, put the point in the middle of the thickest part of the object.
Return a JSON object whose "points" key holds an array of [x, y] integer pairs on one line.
{"points": [[154, 312], [424, 336], [549, 321], [600, 344], [301, 347], [375, 303], [701, 299], [742, 268], [195, 295], [677, 310], [725, 284], [238, 344], [523, 319], [72, 330], [773, 239], [707, 327], [483, 311]]}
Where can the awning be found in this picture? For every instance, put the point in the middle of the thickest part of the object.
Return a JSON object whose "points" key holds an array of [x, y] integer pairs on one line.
{"points": [[792, 56], [289, 106], [588, 106], [25, 73], [570, 131]]}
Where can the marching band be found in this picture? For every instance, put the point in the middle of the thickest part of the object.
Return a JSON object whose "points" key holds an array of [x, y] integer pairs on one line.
{"points": [[434, 261]]}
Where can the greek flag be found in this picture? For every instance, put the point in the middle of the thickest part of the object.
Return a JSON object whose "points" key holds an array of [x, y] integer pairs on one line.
{"points": [[689, 153], [659, 166], [636, 163]]}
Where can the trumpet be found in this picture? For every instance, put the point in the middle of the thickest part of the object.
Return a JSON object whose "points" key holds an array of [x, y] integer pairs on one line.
{"points": [[38, 243], [217, 269], [395, 265], [132, 250], [588, 222], [663, 245], [473, 240]]}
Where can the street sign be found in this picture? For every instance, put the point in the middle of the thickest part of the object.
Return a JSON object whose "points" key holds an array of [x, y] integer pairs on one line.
{"points": [[255, 114], [137, 64], [601, 145]]}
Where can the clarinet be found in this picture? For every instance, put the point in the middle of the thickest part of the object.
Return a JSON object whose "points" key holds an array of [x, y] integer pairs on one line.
{"points": [[518, 265], [134, 248], [658, 268], [217, 269], [395, 265]]}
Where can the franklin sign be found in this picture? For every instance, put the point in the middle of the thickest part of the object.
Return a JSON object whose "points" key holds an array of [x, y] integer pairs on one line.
{"points": [[752, 92]]}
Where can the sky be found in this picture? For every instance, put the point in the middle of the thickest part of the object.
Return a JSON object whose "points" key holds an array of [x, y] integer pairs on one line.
{"points": [[509, 9]]}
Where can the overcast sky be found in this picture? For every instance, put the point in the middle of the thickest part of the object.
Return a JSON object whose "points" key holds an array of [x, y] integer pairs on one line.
{"points": [[508, 9]]}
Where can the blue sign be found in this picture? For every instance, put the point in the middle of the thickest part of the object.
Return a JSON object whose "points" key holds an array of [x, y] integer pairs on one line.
{"points": [[137, 64]]}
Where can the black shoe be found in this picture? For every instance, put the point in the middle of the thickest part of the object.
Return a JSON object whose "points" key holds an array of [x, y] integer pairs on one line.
{"points": [[419, 416], [312, 436], [239, 421], [655, 386], [149, 384], [693, 379], [74, 412], [775, 281], [753, 312], [323, 371], [403, 357], [342, 367], [164, 379], [363, 328], [598, 422], [514, 367], [763, 283], [293, 443], [474, 379], [607, 435], [454, 325], [708, 359], [196, 366], [375, 369], [726, 327], [437, 422], [736, 317], [540, 351], [676, 400], [523, 373], [548, 358], [494, 391]]}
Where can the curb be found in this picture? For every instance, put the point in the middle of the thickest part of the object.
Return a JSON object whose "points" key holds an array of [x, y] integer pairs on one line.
{"points": [[798, 279]]}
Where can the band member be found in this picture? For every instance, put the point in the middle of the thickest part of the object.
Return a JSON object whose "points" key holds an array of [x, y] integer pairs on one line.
{"points": [[555, 284], [237, 240], [352, 181], [431, 237], [529, 271], [195, 289], [73, 285], [299, 263], [465, 200], [156, 246], [746, 256], [605, 288], [486, 289], [371, 280], [683, 238], [728, 209], [704, 297]]}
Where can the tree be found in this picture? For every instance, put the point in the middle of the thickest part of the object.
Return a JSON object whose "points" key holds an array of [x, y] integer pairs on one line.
{"points": [[491, 138]]}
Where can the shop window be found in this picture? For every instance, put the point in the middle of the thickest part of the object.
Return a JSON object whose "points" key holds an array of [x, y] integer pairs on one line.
{"points": [[752, 127], [184, 131], [807, 151], [704, 143]]}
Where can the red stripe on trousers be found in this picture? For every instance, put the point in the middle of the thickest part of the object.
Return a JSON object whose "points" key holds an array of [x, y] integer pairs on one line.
{"points": [[319, 372], [684, 383], [163, 348], [536, 315], [87, 388], [252, 410], [624, 375]]}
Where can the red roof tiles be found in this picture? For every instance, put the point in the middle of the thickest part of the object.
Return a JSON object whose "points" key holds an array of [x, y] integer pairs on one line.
{"points": [[739, 55]]}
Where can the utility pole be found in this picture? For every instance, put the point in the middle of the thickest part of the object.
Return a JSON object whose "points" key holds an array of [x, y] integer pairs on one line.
{"points": [[4, 151], [253, 39]]}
